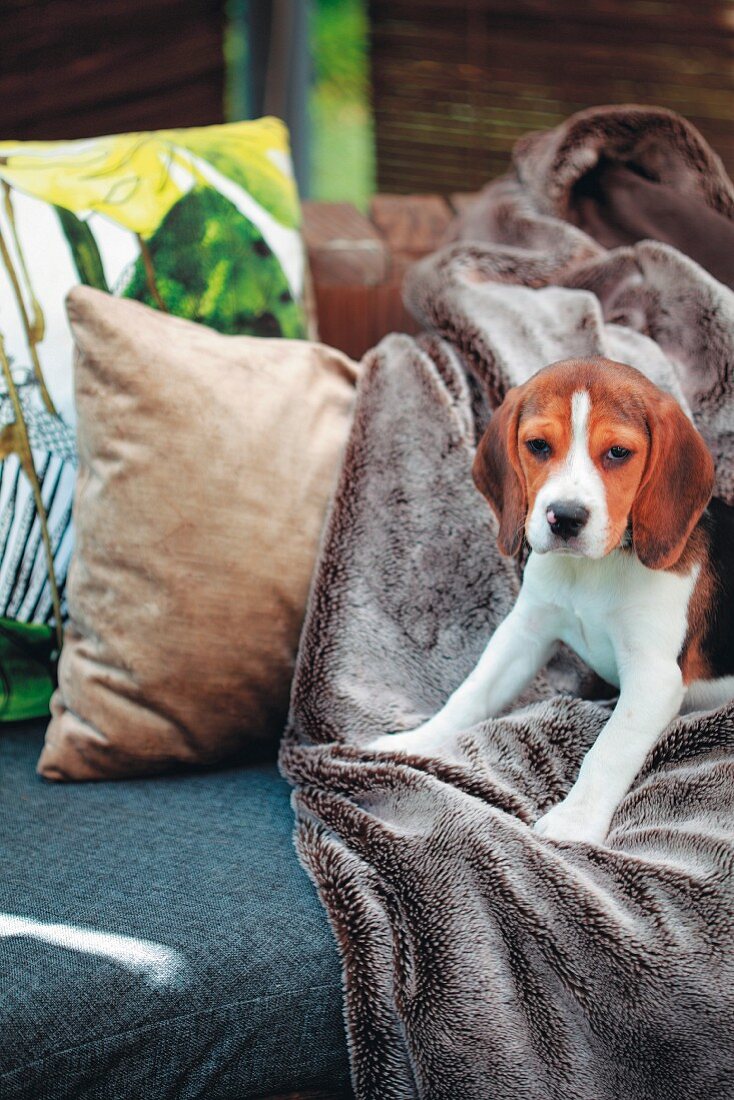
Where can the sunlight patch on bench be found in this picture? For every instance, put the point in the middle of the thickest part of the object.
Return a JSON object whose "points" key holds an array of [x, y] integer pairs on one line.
{"points": [[159, 965]]}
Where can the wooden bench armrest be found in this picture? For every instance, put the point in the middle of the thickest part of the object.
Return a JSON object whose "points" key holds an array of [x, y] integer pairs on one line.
{"points": [[357, 263]]}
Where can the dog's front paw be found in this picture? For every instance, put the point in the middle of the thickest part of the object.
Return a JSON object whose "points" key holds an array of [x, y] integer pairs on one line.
{"points": [[574, 821], [389, 742], [425, 740]]}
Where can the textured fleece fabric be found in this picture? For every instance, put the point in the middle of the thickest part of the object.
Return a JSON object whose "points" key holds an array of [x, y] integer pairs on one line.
{"points": [[481, 960]]}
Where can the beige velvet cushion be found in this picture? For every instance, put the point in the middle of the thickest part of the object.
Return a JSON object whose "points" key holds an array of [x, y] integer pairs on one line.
{"points": [[206, 466]]}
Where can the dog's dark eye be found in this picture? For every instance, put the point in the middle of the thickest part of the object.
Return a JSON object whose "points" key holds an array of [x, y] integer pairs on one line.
{"points": [[538, 446], [618, 453]]}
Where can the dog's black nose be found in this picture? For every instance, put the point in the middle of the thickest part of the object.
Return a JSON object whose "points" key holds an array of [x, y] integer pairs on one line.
{"points": [[566, 518]]}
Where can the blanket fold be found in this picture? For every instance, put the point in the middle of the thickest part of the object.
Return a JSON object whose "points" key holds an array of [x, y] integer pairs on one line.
{"points": [[479, 959]]}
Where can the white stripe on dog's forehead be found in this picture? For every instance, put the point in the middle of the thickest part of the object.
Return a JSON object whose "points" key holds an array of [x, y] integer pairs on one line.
{"points": [[578, 460], [574, 478], [580, 410]]}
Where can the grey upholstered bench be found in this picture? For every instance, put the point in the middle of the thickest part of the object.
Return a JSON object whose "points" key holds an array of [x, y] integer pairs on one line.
{"points": [[158, 938]]}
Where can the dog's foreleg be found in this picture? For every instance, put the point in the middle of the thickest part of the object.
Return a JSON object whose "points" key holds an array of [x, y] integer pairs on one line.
{"points": [[650, 697], [520, 646]]}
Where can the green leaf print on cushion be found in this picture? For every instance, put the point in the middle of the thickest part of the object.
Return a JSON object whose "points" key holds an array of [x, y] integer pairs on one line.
{"points": [[212, 265], [84, 251], [258, 175], [28, 654]]}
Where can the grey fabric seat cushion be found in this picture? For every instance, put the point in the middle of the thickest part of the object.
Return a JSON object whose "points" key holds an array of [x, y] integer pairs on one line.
{"points": [[158, 938]]}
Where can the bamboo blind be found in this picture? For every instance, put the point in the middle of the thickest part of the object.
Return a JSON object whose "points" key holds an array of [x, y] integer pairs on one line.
{"points": [[77, 68], [456, 82]]}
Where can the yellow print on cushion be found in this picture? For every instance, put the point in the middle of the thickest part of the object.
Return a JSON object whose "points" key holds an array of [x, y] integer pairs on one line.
{"points": [[135, 179]]}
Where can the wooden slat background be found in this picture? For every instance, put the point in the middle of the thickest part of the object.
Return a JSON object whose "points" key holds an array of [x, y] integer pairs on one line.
{"points": [[456, 82], [79, 68], [357, 263]]}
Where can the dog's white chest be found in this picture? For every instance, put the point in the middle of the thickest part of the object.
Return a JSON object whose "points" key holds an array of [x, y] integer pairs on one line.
{"points": [[609, 609], [588, 635]]}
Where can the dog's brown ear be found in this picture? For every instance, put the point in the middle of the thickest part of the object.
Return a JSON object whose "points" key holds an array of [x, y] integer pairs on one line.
{"points": [[498, 474], [675, 488]]}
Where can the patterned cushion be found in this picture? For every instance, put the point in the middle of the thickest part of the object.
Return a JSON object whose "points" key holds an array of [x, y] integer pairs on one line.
{"points": [[202, 223]]}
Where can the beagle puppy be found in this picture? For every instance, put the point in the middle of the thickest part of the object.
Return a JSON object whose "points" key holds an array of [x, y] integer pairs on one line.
{"points": [[631, 564]]}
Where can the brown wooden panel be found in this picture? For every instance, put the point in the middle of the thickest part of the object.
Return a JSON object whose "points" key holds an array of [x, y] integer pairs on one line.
{"points": [[343, 246], [456, 82], [412, 224], [358, 300], [77, 68], [355, 318]]}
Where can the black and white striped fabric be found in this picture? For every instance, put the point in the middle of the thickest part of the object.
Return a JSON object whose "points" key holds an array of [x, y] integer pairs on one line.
{"points": [[25, 593]]}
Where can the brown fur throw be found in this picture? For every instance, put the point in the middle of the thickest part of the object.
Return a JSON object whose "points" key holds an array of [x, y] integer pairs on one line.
{"points": [[480, 960]]}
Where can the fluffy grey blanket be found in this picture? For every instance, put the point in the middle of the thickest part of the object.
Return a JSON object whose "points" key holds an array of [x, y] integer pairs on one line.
{"points": [[480, 960]]}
